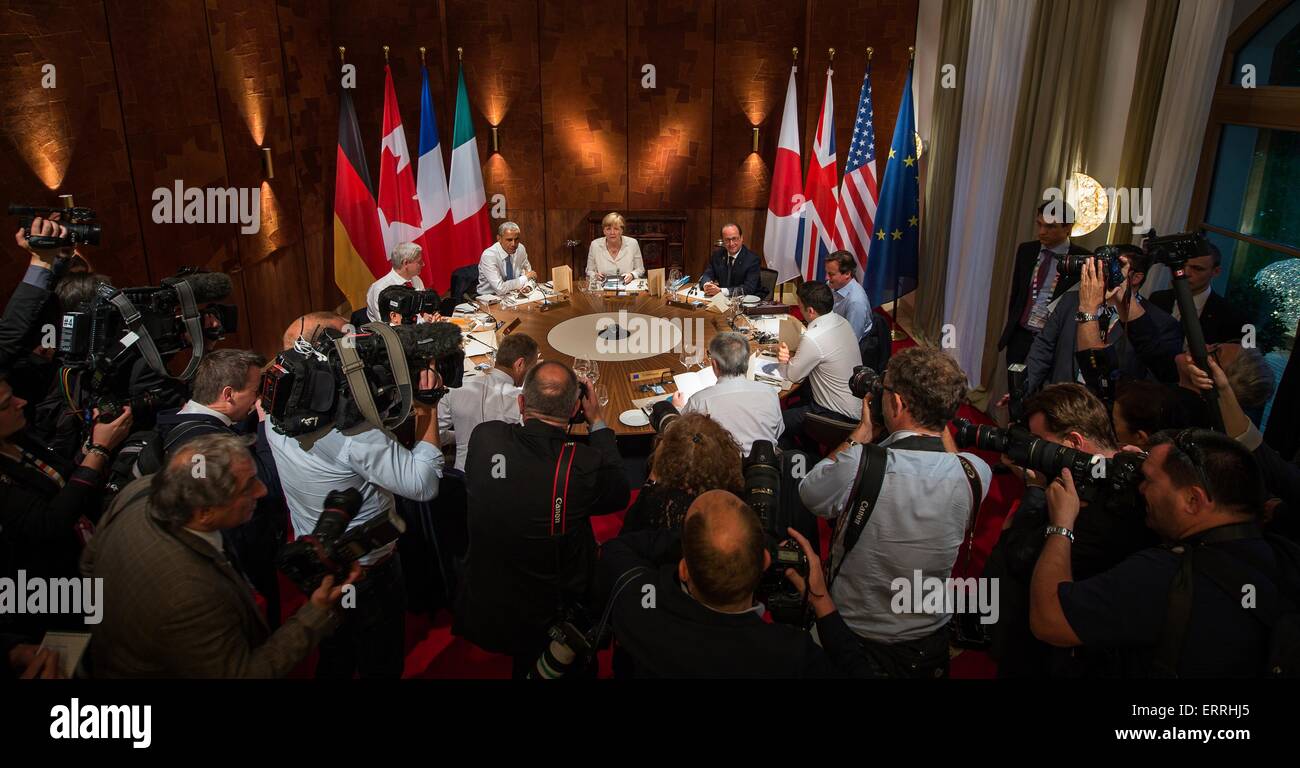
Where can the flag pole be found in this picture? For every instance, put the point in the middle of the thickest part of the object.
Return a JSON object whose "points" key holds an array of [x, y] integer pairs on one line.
{"points": [[895, 333]]}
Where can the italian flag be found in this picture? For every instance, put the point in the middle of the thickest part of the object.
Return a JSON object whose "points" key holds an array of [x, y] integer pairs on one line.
{"points": [[471, 232]]}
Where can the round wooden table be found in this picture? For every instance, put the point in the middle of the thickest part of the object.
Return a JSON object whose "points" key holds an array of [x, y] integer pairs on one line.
{"points": [[613, 375]]}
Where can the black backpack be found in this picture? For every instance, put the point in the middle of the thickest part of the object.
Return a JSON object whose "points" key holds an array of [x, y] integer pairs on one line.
{"points": [[1276, 609], [144, 453]]}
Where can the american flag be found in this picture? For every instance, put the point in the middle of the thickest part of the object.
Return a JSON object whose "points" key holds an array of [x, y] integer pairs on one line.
{"points": [[860, 189]]}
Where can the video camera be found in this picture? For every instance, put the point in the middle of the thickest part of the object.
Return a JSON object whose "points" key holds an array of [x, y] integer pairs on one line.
{"points": [[1095, 477], [407, 302], [331, 548], [80, 223], [153, 322], [344, 378]]}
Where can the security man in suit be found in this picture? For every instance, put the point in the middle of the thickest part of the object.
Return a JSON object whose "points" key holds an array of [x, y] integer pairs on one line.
{"points": [[1220, 321], [733, 269], [1036, 282]]}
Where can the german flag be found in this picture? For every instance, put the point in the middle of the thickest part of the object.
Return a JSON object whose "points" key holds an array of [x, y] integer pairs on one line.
{"points": [[358, 246]]}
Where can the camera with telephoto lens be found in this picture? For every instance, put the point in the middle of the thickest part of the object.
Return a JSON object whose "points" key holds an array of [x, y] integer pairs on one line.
{"points": [[80, 223], [102, 341], [762, 471], [570, 648], [307, 388], [662, 414], [407, 302], [1095, 477], [330, 549], [865, 381]]}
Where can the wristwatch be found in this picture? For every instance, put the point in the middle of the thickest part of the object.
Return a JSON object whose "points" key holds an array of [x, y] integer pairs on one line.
{"points": [[1066, 532]]}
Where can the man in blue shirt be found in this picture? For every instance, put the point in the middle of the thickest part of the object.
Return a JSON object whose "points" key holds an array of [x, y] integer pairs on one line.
{"points": [[851, 300]]}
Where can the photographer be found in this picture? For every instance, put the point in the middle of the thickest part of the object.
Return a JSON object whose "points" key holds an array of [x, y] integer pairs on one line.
{"points": [[371, 641], [692, 456], [925, 499], [1108, 531], [1141, 340], [532, 493], [1178, 605], [175, 603], [44, 495], [28, 364], [703, 620]]}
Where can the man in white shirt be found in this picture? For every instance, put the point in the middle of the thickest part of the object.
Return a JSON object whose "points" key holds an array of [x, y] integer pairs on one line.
{"points": [[371, 640], [408, 262], [749, 410], [827, 355], [493, 396], [504, 266]]}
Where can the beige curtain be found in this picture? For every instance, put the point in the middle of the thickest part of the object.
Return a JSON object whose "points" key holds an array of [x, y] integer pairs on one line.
{"points": [[1053, 117], [1148, 81], [940, 170]]}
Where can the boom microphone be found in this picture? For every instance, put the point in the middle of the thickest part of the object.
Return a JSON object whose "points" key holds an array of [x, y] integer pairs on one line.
{"points": [[207, 286]]}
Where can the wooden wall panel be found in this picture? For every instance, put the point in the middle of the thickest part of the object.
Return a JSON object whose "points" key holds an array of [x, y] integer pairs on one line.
{"points": [[69, 138], [173, 132], [245, 43], [311, 75]]}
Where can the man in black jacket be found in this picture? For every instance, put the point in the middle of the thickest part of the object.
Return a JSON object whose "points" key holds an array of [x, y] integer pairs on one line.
{"points": [[224, 398], [532, 492], [733, 269], [1221, 322], [1035, 283], [26, 349], [684, 604]]}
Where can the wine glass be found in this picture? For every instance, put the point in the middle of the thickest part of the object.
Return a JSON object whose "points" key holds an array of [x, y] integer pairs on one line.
{"points": [[602, 395], [689, 356], [593, 369], [581, 366]]}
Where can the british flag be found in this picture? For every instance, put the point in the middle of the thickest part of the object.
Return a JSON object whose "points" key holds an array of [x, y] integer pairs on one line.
{"points": [[860, 190], [816, 233]]}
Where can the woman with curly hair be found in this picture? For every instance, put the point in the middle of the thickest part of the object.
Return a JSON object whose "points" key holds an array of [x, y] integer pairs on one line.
{"points": [[695, 454]]}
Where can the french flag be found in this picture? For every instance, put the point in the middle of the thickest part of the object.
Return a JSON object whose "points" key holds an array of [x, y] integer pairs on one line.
{"points": [[781, 236], [435, 203]]}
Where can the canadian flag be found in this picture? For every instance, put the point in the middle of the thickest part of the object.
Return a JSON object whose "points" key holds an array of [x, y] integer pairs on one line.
{"points": [[400, 219]]}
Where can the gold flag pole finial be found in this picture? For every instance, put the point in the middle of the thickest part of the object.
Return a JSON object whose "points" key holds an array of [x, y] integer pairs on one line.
{"points": [[385, 54], [422, 55], [460, 54], [870, 52], [342, 57], [795, 51], [832, 53], [911, 53]]}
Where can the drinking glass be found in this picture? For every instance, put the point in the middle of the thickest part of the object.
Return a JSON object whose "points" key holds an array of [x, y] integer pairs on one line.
{"points": [[581, 366], [593, 369], [602, 395]]}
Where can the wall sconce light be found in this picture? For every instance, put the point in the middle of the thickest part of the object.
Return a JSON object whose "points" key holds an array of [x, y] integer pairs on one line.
{"points": [[67, 201], [1090, 204], [753, 145], [496, 141], [268, 165]]}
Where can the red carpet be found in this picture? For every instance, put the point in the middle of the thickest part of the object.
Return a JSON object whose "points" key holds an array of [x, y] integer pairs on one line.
{"points": [[432, 651]]}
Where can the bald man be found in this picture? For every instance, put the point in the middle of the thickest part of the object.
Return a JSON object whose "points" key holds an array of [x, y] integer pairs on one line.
{"points": [[697, 617], [309, 325]]}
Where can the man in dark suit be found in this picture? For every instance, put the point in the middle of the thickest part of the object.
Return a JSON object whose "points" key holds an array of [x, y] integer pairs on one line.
{"points": [[225, 396], [683, 603], [174, 603], [733, 269], [1036, 281], [532, 492], [1220, 321], [1144, 338]]}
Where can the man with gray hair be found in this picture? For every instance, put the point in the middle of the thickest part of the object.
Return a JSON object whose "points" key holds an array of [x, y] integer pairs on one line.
{"points": [[504, 266], [175, 604], [408, 262], [749, 410]]}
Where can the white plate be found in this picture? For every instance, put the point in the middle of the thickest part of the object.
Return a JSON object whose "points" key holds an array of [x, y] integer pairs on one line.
{"points": [[634, 417], [750, 300]]}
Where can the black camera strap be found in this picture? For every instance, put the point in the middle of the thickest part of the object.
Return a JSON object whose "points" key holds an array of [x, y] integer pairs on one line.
{"points": [[193, 325], [148, 349], [862, 502], [354, 370]]}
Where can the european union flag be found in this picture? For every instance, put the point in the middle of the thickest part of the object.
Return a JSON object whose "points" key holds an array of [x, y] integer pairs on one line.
{"points": [[892, 261]]}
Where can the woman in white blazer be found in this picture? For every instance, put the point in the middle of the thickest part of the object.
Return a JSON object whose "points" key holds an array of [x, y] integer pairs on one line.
{"points": [[615, 255]]}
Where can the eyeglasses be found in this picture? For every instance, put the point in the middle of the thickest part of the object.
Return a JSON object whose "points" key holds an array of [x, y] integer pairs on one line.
{"points": [[1190, 454]]}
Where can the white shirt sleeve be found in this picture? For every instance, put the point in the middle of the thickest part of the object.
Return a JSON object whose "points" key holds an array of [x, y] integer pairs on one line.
{"points": [[825, 490], [638, 266], [805, 359], [383, 461]]}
